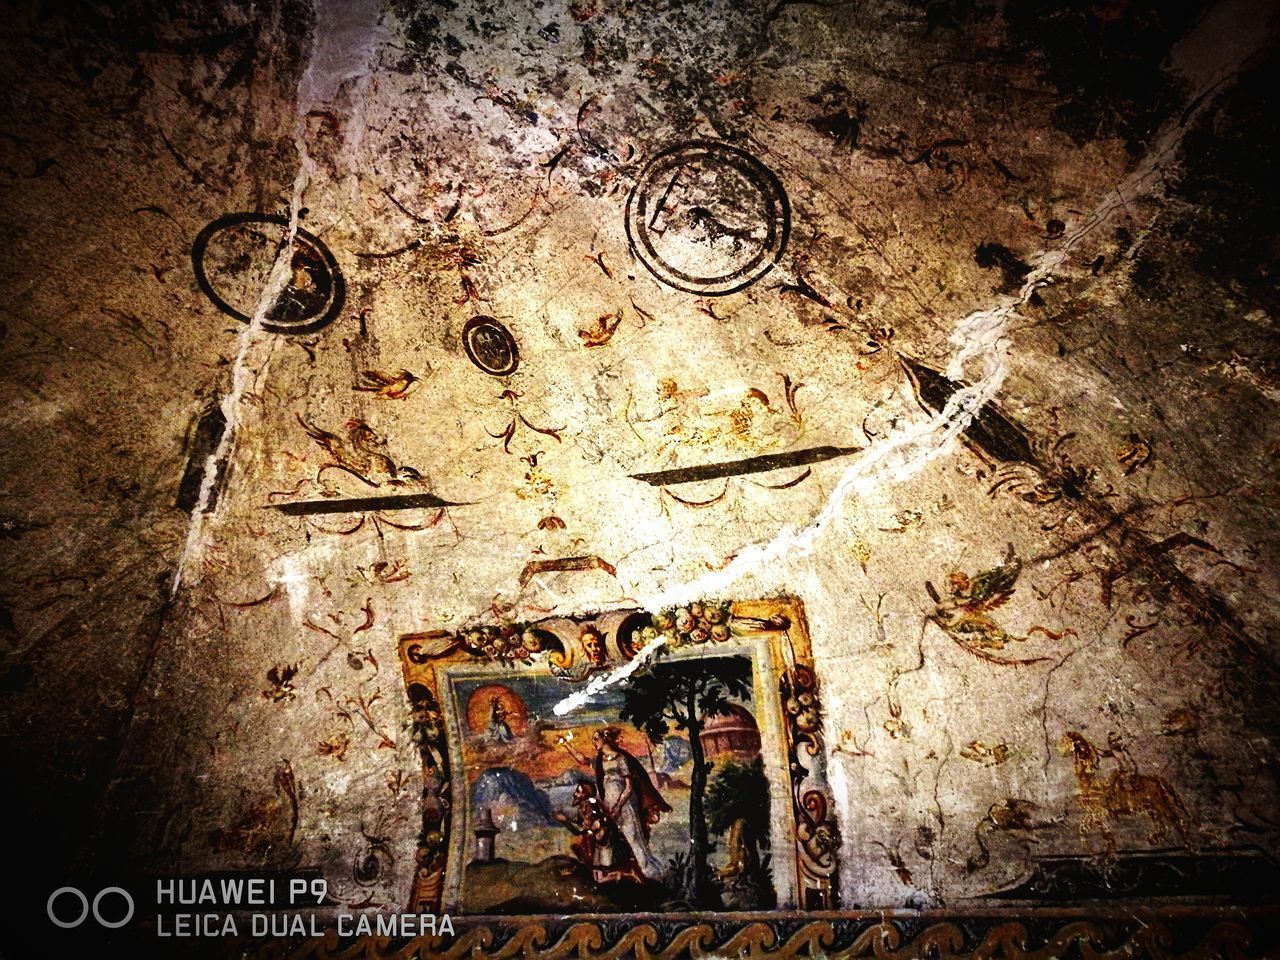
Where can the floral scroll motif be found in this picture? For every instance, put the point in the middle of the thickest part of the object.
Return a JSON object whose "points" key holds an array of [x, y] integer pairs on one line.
{"points": [[817, 836]]}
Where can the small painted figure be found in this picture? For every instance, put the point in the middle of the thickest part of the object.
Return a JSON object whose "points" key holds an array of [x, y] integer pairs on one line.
{"points": [[629, 797], [499, 727], [597, 842], [593, 646]]}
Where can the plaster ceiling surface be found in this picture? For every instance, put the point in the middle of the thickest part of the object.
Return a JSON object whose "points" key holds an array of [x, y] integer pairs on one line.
{"points": [[993, 284]]}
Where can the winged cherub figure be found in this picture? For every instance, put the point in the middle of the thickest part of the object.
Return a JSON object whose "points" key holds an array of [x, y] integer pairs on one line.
{"points": [[965, 615]]}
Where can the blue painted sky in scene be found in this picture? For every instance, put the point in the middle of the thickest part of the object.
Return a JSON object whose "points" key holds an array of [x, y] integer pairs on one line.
{"points": [[541, 693]]}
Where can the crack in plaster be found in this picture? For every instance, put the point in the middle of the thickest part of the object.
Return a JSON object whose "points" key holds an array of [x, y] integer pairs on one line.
{"points": [[978, 338], [344, 36]]}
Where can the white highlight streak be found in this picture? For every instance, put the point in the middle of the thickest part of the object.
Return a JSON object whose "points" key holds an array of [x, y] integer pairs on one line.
{"points": [[902, 454], [597, 683]]}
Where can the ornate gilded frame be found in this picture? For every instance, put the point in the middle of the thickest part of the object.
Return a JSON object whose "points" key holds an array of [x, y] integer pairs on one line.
{"points": [[556, 644], [817, 928]]}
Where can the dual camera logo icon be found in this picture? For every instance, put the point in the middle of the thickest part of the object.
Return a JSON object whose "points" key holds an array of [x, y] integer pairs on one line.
{"points": [[63, 894]]}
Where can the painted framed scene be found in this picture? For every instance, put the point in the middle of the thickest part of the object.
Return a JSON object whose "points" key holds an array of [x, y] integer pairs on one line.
{"points": [[693, 784]]}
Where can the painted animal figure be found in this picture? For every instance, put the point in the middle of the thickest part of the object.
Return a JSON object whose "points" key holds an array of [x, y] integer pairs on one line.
{"points": [[1122, 794], [361, 455]]}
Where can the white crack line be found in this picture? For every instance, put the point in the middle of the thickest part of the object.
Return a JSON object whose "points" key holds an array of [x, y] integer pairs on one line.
{"points": [[241, 378], [335, 56], [978, 337]]}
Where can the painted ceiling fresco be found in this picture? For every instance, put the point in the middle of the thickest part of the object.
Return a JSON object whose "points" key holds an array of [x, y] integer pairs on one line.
{"points": [[645, 478]]}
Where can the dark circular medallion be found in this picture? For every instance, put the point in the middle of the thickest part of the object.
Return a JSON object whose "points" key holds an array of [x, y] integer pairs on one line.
{"points": [[491, 346], [233, 257], [708, 218]]}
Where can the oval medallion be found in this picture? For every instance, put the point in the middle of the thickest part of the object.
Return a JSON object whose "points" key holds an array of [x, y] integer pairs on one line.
{"points": [[708, 218], [233, 257], [491, 346]]}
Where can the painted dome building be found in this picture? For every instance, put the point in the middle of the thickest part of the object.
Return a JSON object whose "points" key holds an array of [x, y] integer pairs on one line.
{"points": [[734, 731]]}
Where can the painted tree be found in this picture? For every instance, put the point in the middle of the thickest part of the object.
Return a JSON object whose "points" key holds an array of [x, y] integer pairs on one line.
{"points": [[685, 693], [740, 793], [738, 811]]}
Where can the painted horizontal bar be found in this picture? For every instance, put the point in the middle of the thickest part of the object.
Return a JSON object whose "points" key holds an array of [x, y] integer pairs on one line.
{"points": [[408, 501], [734, 468]]}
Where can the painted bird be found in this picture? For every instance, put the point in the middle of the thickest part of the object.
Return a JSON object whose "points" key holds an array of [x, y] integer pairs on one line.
{"points": [[602, 332], [388, 386]]}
